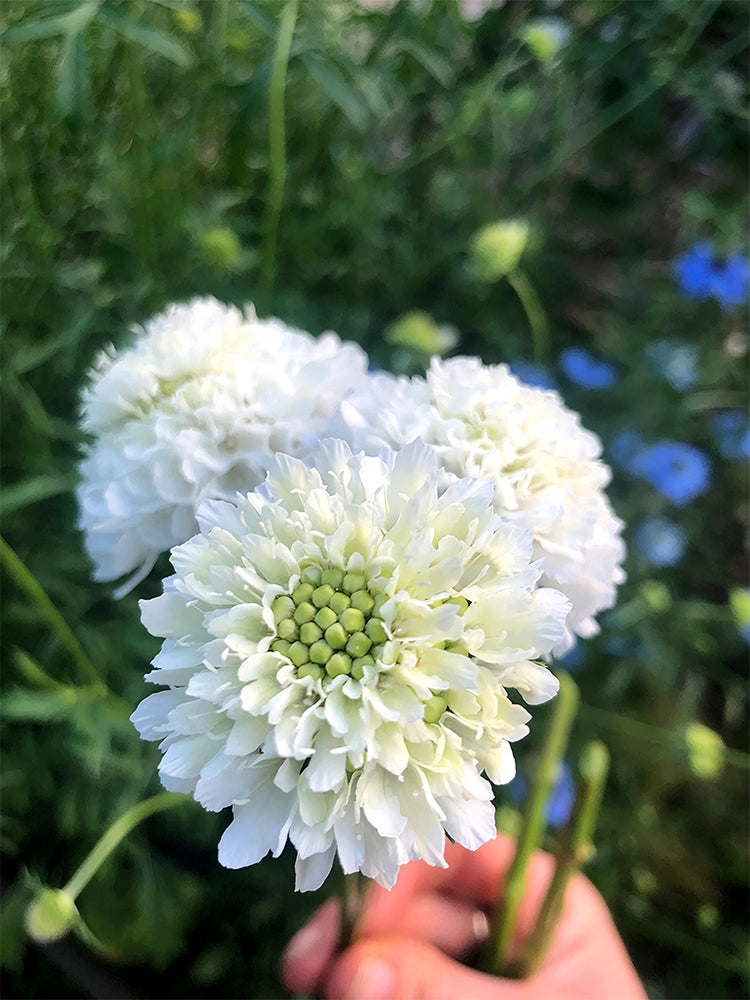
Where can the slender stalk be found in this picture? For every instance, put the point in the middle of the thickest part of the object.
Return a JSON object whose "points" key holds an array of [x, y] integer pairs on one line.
{"points": [[577, 848], [537, 317], [114, 835], [28, 583], [532, 827], [352, 905], [276, 145]]}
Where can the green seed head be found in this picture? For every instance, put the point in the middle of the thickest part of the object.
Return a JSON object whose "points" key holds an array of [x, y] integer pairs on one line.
{"points": [[281, 646], [283, 607], [376, 630], [352, 620], [358, 666], [362, 601], [287, 629], [358, 644], [310, 633], [304, 612], [333, 577], [302, 593], [310, 670], [353, 582], [339, 602], [325, 617], [320, 652], [322, 595], [299, 653], [336, 636], [339, 663]]}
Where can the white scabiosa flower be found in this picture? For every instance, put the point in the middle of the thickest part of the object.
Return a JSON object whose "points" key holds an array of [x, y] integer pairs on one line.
{"points": [[338, 650], [545, 468], [194, 409]]}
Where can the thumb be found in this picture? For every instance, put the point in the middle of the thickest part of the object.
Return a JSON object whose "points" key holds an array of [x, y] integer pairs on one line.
{"points": [[391, 967]]}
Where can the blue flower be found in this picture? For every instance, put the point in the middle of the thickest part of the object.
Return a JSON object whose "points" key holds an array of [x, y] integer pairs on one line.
{"points": [[700, 275], [561, 799], [624, 447], [674, 362], [661, 541], [732, 430], [573, 659], [729, 284], [585, 370], [680, 472], [694, 271], [532, 374]]}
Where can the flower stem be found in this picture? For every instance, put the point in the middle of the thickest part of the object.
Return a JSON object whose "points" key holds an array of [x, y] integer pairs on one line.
{"points": [[532, 828], [114, 835], [577, 848], [352, 905], [276, 144], [532, 306], [28, 583]]}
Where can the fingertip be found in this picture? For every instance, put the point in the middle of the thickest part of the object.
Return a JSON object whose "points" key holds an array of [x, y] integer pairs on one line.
{"points": [[305, 959], [398, 968]]}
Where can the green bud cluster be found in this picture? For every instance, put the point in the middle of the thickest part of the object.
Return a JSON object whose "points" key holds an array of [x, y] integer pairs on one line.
{"points": [[330, 624]]}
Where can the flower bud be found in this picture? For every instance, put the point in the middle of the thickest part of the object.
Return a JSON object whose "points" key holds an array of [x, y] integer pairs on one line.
{"points": [[497, 248], [50, 916], [546, 37], [418, 331]]}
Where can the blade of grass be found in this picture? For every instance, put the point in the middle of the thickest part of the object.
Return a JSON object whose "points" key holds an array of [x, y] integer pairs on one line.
{"points": [[28, 583]]}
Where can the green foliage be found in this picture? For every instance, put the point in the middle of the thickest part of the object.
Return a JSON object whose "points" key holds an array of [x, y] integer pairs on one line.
{"points": [[142, 165]]}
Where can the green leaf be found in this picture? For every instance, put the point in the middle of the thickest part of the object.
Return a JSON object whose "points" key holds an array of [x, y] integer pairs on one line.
{"points": [[438, 68], [23, 705], [30, 491], [72, 92], [64, 24], [338, 89], [156, 41]]}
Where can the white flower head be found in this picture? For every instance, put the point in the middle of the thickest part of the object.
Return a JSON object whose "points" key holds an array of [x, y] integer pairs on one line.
{"points": [[338, 649], [545, 467], [194, 409]]}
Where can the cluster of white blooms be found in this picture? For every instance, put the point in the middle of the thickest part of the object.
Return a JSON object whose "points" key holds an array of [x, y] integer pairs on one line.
{"points": [[195, 409], [338, 649], [345, 621], [545, 468]]}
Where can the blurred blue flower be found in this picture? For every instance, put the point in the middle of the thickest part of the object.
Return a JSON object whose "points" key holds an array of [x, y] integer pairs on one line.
{"points": [[677, 363], [532, 374], [700, 275], [694, 271], [561, 799], [732, 430], [729, 284], [585, 370], [573, 659], [679, 471], [661, 541], [624, 447]]}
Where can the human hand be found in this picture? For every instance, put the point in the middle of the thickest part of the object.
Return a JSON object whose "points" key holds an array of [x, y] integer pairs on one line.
{"points": [[409, 939]]}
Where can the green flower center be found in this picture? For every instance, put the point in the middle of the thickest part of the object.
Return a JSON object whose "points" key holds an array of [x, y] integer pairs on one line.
{"points": [[330, 624]]}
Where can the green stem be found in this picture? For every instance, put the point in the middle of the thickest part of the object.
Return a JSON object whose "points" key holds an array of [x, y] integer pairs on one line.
{"points": [[532, 826], [352, 905], [276, 145], [577, 848], [532, 306], [116, 833], [29, 584], [634, 728]]}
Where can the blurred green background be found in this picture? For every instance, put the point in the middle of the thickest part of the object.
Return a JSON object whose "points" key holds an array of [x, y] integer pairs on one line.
{"points": [[150, 154]]}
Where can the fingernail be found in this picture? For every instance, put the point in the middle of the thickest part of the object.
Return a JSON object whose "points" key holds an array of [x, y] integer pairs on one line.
{"points": [[304, 943], [375, 979]]}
